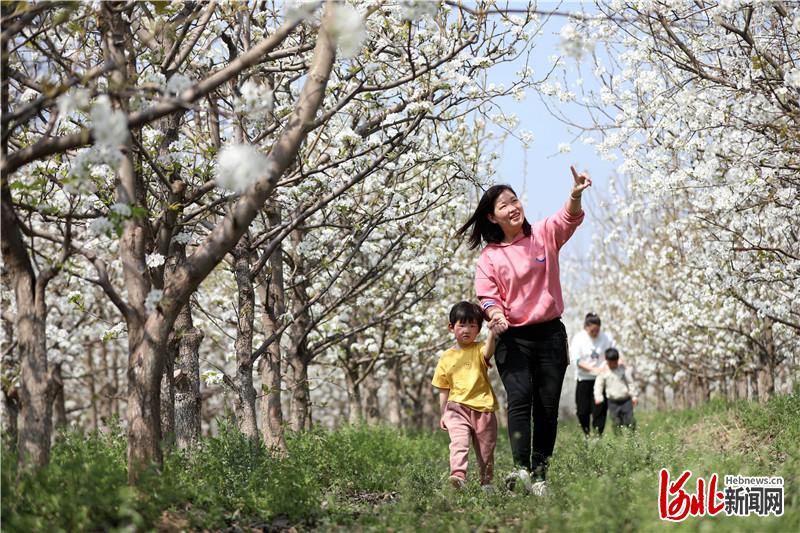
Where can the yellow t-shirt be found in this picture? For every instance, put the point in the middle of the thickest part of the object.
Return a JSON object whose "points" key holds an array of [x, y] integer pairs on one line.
{"points": [[465, 373]]}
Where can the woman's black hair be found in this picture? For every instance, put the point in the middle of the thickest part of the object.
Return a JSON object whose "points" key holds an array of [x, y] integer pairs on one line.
{"points": [[480, 227], [466, 312], [591, 319]]}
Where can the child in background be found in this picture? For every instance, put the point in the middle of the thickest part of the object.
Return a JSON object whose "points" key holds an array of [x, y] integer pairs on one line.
{"points": [[467, 400], [620, 389]]}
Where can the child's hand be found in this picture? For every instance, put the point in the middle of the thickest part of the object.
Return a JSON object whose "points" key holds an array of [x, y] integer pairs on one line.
{"points": [[635, 402], [441, 424], [498, 324]]}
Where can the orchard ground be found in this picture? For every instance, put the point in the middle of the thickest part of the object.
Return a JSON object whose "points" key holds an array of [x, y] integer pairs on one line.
{"points": [[380, 479]]}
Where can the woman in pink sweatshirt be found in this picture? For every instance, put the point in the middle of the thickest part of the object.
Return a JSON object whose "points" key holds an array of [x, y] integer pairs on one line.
{"points": [[517, 283]]}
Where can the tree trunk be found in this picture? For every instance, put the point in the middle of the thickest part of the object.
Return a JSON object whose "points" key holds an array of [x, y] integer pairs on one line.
{"points": [[168, 393], [34, 423], [244, 403], [395, 382], [300, 406], [147, 345], [274, 300], [9, 363], [354, 415], [768, 360], [754, 393], [59, 402], [661, 393], [35, 388], [371, 407], [93, 397], [188, 403], [430, 415]]}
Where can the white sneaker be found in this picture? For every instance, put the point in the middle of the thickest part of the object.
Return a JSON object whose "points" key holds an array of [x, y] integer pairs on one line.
{"points": [[540, 488], [488, 489], [519, 479]]}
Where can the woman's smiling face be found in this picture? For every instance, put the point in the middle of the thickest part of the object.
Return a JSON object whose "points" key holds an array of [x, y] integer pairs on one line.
{"points": [[508, 213]]}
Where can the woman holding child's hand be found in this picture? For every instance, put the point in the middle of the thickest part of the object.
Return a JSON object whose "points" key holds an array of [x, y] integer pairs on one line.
{"points": [[517, 282]]}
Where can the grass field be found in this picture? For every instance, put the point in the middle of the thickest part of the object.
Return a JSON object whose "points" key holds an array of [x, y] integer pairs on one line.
{"points": [[381, 479]]}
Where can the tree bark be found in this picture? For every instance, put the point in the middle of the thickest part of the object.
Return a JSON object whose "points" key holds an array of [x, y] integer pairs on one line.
{"points": [[395, 383], [245, 400], [768, 362], [9, 363], [188, 402], [168, 393], [354, 414], [371, 407], [34, 423], [273, 297], [59, 402]]}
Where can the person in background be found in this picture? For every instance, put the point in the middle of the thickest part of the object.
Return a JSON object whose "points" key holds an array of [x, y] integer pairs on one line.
{"points": [[617, 385], [587, 350]]}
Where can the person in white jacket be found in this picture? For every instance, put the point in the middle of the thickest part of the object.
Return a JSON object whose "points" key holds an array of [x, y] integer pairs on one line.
{"points": [[587, 352], [617, 386]]}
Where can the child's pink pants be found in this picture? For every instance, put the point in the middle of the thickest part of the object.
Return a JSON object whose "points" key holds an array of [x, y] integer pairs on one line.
{"points": [[463, 423]]}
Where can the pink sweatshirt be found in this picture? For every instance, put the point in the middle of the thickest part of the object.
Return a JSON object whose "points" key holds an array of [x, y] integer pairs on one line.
{"points": [[522, 277]]}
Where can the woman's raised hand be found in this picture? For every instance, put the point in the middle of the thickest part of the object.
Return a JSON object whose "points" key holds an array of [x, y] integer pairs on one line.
{"points": [[582, 182]]}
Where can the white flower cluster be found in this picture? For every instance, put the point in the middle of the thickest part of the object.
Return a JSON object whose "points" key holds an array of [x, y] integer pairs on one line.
{"points": [[154, 260], [256, 100], [574, 43], [417, 9], [348, 29], [239, 165], [177, 84], [212, 377]]}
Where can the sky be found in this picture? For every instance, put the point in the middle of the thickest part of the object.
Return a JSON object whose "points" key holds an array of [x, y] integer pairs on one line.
{"points": [[546, 178]]}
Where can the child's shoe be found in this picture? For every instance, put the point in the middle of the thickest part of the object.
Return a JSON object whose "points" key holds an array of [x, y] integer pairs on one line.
{"points": [[488, 489], [458, 483]]}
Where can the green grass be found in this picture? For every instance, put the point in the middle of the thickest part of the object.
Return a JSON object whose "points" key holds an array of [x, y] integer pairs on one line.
{"points": [[379, 478]]}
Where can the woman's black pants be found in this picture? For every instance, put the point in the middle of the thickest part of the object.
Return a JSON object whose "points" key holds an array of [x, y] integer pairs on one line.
{"points": [[532, 360]]}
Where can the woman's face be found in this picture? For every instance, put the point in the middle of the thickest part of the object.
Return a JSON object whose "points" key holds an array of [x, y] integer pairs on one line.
{"points": [[508, 213]]}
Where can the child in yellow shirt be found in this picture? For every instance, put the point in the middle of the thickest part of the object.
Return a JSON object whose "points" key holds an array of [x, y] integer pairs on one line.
{"points": [[467, 400]]}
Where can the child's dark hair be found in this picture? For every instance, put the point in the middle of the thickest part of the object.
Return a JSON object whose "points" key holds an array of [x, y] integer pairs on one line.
{"points": [[591, 319], [612, 354], [479, 225], [466, 312]]}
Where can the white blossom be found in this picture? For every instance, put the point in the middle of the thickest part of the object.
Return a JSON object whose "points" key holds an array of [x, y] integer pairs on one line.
{"points": [[793, 78], [212, 377], [72, 100], [154, 260], [109, 126], [240, 165], [348, 29], [178, 83], [123, 210], [101, 226], [573, 42], [416, 9], [256, 99]]}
